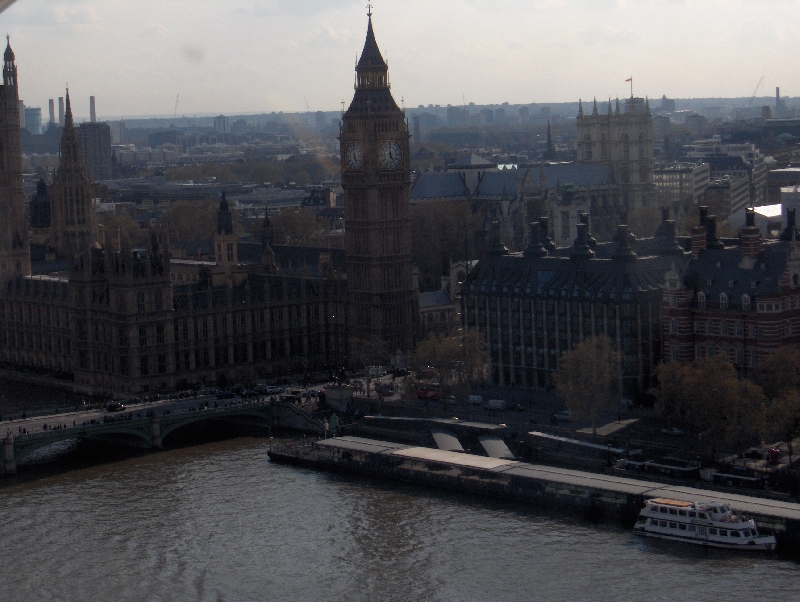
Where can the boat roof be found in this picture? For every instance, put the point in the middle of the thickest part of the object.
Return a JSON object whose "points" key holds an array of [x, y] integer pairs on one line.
{"points": [[668, 502]]}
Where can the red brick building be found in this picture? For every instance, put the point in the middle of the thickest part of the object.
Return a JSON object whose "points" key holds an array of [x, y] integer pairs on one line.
{"points": [[737, 300]]}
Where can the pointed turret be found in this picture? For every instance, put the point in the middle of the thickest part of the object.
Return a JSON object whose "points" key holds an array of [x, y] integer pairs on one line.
{"points": [[9, 66], [580, 108], [594, 107], [610, 112], [616, 111], [72, 211]]}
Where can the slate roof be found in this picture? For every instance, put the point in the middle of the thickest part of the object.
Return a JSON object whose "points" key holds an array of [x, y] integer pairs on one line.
{"points": [[371, 57], [430, 185], [434, 299], [582, 174], [472, 160], [717, 271], [495, 183]]}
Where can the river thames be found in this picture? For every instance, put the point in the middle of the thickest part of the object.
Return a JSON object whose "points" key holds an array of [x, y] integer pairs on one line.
{"points": [[219, 522]]}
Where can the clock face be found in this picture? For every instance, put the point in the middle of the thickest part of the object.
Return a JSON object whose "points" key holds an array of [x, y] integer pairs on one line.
{"points": [[391, 155], [353, 156]]}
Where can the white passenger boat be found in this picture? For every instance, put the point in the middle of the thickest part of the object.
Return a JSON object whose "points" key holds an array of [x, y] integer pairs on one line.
{"points": [[709, 524]]}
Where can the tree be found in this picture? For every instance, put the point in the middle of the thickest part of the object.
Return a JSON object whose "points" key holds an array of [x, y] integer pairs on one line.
{"points": [[710, 400], [186, 221], [367, 352], [779, 372], [782, 418], [459, 360], [588, 378], [294, 226], [129, 228]]}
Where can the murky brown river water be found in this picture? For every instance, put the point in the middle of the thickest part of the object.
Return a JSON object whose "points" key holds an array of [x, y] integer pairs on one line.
{"points": [[220, 522]]}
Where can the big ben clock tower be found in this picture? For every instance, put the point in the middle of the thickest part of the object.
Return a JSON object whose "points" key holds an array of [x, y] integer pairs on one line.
{"points": [[376, 177]]}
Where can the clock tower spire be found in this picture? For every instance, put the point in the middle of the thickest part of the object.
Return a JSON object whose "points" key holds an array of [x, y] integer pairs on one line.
{"points": [[376, 177]]}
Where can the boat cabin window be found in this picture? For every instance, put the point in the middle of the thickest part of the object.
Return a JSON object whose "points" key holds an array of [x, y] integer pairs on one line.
{"points": [[673, 525], [703, 515], [746, 533], [712, 531], [693, 515], [691, 528], [663, 523], [735, 534], [682, 526], [723, 533], [654, 522], [662, 509], [673, 511], [682, 512]]}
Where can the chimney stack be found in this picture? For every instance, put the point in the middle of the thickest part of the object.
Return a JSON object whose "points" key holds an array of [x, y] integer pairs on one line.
{"points": [[92, 112], [712, 240], [751, 240], [52, 112], [544, 234], [61, 111], [698, 240], [535, 248]]}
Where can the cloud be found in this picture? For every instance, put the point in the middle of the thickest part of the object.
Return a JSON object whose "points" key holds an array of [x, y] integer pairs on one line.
{"points": [[193, 54]]}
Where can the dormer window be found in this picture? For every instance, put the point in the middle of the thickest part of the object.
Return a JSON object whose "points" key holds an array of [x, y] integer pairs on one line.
{"points": [[723, 301], [701, 300]]}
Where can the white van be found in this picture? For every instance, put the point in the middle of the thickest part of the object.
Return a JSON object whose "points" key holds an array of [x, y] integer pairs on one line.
{"points": [[376, 372], [497, 405], [475, 400]]}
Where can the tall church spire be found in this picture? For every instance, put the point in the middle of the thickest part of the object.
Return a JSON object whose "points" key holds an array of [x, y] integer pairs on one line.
{"points": [[68, 115]]}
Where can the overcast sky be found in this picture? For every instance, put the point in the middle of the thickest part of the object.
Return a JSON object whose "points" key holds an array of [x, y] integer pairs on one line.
{"points": [[249, 56]]}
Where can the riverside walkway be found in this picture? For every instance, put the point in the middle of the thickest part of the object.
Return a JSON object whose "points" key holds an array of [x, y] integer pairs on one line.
{"points": [[597, 494]]}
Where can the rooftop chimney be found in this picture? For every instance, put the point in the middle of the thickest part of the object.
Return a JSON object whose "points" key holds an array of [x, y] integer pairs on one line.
{"points": [[535, 248], [623, 252], [498, 248], [544, 234], [92, 112], [580, 249], [698, 240], [703, 214], [751, 240], [590, 240], [61, 111], [52, 112], [712, 240]]}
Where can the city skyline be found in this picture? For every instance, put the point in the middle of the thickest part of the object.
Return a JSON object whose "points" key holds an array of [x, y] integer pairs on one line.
{"points": [[268, 56]]}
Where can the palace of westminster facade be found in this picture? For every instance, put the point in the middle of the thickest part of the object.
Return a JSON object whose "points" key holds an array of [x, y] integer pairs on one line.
{"points": [[128, 320], [116, 321]]}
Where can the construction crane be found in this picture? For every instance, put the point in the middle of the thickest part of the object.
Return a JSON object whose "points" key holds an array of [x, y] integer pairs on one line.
{"points": [[307, 105], [758, 85]]}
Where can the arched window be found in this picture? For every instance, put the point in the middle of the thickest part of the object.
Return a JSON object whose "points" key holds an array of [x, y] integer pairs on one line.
{"points": [[603, 147], [723, 301], [587, 147], [641, 146], [745, 303], [626, 147], [701, 299]]}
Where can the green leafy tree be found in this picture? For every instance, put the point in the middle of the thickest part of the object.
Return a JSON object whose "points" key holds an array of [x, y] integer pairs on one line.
{"points": [[587, 380], [779, 372], [459, 360]]}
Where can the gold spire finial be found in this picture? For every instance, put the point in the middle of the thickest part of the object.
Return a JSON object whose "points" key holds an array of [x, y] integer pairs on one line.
{"points": [[369, 10]]}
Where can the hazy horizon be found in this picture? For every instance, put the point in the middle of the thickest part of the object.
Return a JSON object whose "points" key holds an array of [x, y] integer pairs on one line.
{"points": [[249, 57]]}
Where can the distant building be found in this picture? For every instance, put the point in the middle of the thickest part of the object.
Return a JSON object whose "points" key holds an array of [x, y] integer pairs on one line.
{"points": [[661, 126], [95, 139], [667, 104], [33, 120], [222, 125], [681, 185], [735, 160], [696, 124], [728, 194]]}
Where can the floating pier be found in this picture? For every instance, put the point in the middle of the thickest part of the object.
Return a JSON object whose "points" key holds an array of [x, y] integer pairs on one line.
{"points": [[598, 496]]}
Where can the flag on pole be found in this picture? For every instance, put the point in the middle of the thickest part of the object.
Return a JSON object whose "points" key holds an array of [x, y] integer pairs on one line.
{"points": [[630, 79]]}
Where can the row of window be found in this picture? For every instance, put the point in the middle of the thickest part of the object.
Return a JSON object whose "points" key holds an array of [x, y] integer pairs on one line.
{"points": [[711, 530]]}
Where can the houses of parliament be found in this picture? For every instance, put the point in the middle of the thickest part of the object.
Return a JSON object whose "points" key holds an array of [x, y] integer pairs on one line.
{"points": [[118, 322]]}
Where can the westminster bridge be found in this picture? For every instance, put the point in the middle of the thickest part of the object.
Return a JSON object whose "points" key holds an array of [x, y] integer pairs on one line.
{"points": [[147, 425]]}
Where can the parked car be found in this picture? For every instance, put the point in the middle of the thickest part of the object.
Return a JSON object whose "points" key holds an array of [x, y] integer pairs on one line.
{"points": [[450, 400], [115, 406], [475, 400], [561, 416], [517, 407]]}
